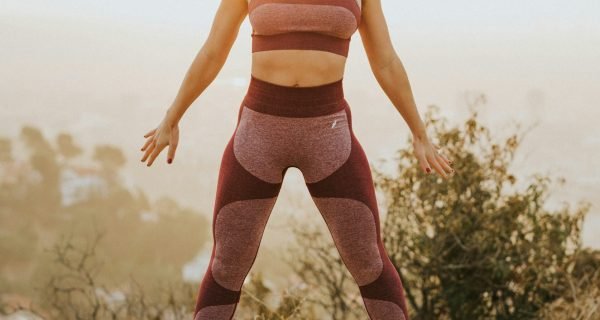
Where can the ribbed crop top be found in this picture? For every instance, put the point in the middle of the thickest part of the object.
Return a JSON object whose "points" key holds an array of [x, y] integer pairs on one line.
{"points": [[324, 25]]}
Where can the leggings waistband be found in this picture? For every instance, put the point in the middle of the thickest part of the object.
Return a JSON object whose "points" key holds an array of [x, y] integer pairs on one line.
{"points": [[271, 98]]}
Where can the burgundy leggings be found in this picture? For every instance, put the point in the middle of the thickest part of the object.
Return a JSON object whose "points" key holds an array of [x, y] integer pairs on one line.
{"points": [[309, 128]]}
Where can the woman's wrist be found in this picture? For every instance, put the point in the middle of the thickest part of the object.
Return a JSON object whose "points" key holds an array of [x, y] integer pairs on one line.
{"points": [[420, 134], [171, 118]]}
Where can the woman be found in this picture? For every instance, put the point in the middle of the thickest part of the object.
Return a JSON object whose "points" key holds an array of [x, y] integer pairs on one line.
{"points": [[294, 114]]}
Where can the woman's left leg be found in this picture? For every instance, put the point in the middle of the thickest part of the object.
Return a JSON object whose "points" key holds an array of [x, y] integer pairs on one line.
{"points": [[345, 197]]}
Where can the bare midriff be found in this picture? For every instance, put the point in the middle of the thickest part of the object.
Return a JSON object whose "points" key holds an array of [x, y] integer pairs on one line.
{"points": [[298, 68]]}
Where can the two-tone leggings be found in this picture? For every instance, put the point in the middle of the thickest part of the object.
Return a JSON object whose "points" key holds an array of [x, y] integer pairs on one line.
{"points": [[309, 128]]}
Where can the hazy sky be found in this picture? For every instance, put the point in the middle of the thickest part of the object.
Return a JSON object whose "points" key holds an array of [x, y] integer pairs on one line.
{"points": [[508, 16], [90, 67]]}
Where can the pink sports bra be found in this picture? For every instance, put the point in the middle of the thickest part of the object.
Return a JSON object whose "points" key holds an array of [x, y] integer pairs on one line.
{"points": [[324, 25]]}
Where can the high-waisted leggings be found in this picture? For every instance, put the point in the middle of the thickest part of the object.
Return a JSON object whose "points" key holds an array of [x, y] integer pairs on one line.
{"points": [[309, 128]]}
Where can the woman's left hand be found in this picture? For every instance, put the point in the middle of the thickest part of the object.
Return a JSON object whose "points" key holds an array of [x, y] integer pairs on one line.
{"points": [[429, 157]]}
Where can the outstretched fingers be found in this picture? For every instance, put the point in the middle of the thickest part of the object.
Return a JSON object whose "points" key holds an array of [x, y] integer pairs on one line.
{"points": [[430, 160], [155, 152], [151, 132], [433, 160], [423, 163], [446, 164], [173, 142], [148, 142], [149, 147], [443, 161], [155, 143]]}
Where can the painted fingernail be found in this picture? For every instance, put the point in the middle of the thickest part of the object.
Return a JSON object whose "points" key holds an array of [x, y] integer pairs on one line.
{"points": [[428, 170], [170, 160]]}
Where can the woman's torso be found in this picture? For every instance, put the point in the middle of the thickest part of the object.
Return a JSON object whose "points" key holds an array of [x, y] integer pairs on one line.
{"points": [[302, 67]]}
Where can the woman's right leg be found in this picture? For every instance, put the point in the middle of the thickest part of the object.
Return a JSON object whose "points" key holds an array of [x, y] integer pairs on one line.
{"points": [[242, 208]]}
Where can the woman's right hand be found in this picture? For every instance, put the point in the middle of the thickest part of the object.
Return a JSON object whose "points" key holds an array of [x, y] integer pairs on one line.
{"points": [[160, 137]]}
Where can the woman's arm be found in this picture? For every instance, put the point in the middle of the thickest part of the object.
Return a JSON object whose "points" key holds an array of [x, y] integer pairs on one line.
{"points": [[205, 67], [386, 65], [211, 57], [391, 76]]}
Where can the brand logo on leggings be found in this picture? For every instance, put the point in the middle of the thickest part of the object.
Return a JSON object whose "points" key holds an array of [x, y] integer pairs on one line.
{"points": [[334, 122]]}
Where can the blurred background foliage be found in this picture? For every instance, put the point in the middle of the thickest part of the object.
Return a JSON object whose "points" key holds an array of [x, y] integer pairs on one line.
{"points": [[51, 193], [481, 245]]}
